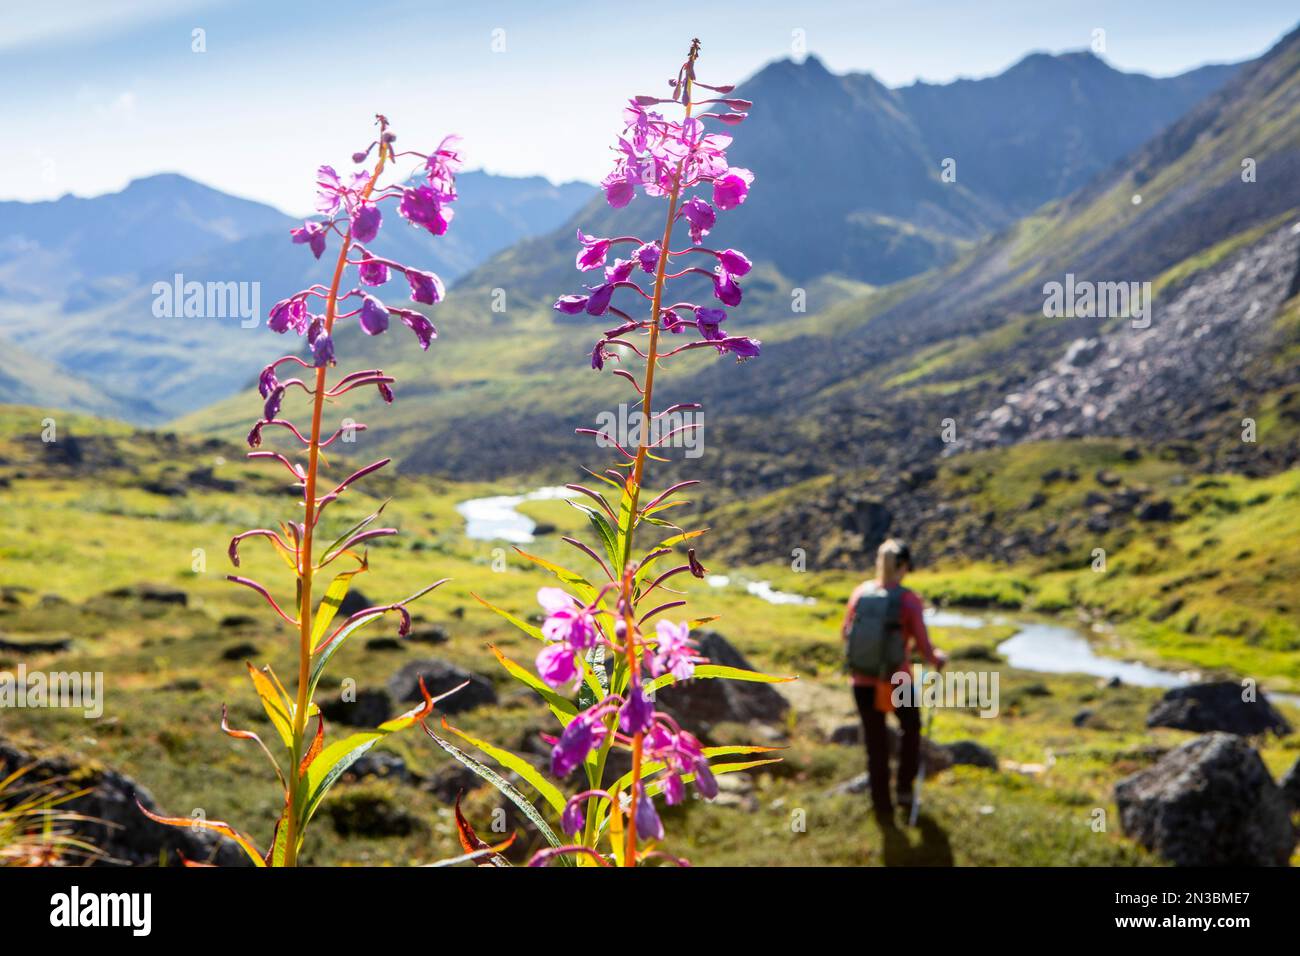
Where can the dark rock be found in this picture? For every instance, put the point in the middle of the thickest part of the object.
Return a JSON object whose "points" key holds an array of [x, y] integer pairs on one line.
{"points": [[1211, 802], [35, 647], [204, 478], [1217, 705], [238, 620], [440, 677], [370, 810], [155, 593], [163, 488], [698, 704], [113, 823], [1114, 682], [384, 644], [429, 634], [1082, 717], [847, 735], [1107, 478], [239, 652], [352, 602], [1161, 509], [1290, 785], [970, 754], [371, 708], [452, 778], [381, 764]]}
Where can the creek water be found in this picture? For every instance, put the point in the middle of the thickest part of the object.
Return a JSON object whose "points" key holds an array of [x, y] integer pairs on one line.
{"points": [[1035, 646]]}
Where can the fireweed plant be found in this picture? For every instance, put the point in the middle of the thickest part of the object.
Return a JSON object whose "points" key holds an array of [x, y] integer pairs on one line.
{"points": [[351, 210], [609, 642]]}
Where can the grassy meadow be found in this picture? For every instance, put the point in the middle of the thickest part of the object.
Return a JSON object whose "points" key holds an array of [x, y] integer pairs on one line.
{"points": [[144, 508]]}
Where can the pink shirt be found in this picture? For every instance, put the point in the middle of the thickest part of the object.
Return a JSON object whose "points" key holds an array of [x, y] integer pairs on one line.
{"points": [[911, 618]]}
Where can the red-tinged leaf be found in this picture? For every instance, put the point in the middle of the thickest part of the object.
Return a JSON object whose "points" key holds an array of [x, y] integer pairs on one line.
{"points": [[474, 845], [216, 826], [316, 743], [249, 735], [335, 759]]}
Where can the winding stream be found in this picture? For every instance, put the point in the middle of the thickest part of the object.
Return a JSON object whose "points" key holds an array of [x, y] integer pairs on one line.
{"points": [[1036, 645]]}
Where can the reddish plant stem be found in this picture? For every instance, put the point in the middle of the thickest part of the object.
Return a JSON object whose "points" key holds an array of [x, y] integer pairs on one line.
{"points": [[306, 562], [638, 468]]}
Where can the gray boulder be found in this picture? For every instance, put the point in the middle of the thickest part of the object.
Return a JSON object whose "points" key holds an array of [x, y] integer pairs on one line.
{"points": [[699, 704], [440, 677], [113, 823], [371, 708], [1211, 802], [1217, 706], [970, 754]]}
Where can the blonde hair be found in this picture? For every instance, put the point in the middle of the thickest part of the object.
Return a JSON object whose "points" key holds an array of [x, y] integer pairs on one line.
{"points": [[889, 556]]}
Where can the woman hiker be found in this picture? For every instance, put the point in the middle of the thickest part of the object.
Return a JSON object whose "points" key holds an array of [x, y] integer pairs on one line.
{"points": [[883, 625]]}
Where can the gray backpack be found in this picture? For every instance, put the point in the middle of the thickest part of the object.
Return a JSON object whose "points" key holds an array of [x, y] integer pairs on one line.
{"points": [[875, 645]]}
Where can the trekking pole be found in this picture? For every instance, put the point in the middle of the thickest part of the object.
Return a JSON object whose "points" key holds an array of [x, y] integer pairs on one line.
{"points": [[920, 773]]}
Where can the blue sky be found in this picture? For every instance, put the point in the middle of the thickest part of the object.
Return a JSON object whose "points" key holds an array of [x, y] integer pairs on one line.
{"points": [[111, 91]]}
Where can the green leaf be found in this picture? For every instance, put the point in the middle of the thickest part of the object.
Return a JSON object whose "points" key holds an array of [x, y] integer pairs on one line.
{"points": [[649, 767], [550, 793], [608, 536], [561, 706], [718, 770], [524, 626], [334, 760], [585, 588], [323, 654], [707, 671], [327, 556], [330, 603], [507, 790]]}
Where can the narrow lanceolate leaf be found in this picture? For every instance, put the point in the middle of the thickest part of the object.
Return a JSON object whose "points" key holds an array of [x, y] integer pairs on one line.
{"points": [[524, 626], [550, 793], [492, 851], [322, 654], [707, 671], [718, 770], [330, 603], [563, 708], [652, 767], [684, 536], [327, 555], [472, 843], [608, 536], [585, 589], [314, 750], [335, 759], [504, 786], [275, 703], [216, 826]]}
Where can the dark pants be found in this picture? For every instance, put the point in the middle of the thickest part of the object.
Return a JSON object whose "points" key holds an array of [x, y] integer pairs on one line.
{"points": [[877, 738]]}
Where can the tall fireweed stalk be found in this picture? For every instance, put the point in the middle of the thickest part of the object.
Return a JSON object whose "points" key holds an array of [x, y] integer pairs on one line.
{"points": [[351, 211], [609, 638]]}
